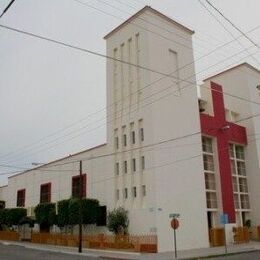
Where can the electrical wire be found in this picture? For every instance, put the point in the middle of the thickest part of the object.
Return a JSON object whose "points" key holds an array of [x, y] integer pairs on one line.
{"points": [[138, 90], [108, 121], [233, 36], [230, 22]]}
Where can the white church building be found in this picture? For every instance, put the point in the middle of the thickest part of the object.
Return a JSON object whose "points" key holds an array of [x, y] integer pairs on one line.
{"points": [[167, 151]]}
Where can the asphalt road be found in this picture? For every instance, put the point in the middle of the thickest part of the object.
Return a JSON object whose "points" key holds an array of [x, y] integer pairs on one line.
{"points": [[14, 252], [246, 256], [10, 252]]}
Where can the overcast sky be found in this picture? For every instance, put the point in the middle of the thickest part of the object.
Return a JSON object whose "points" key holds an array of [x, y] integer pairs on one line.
{"points": [[45, 88]]}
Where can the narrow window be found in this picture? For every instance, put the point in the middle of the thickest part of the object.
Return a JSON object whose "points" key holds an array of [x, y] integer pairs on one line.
{"points": [[143, 190], [133, 165], [117, 168], [76, 180], [20, 198], [133, 137], [124, 140], [45, 195], [134, 192], [125, 193], [116, 142], [142, 163], [141, 134], [125, 166]]}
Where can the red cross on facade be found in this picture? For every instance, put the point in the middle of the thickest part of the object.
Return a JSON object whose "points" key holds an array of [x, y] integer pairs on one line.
{"points": [[225, 132]]}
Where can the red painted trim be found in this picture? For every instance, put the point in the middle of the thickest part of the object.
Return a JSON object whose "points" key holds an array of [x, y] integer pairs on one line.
{"points": [[213, 126], [23, 191], [84, 186], [49, 191]]}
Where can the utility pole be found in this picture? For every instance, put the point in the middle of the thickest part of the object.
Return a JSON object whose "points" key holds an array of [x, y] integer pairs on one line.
{"points": [[5, 10], [80, 205]]}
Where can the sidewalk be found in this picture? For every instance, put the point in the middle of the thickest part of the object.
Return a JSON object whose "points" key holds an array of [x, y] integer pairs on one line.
{"points": [[204, 252], [109, 254]]}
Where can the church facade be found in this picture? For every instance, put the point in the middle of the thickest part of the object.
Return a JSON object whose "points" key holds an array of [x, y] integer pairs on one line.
{"points": [[166, 152]]}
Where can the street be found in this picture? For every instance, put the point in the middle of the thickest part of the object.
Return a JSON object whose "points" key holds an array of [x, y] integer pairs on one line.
{"points": [[15, 252], [246, 256], [11, 252]]}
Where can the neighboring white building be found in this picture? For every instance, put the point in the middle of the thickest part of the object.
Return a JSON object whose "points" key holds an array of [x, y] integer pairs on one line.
{"points": [[241, 94], [152, 163]]}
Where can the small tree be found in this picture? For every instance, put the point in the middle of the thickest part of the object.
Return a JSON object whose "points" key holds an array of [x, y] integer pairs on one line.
{"points": [[73, 208], [63, 213], [12, 217], [117, 221], [89, 211], [45, 215], [15, 215]]}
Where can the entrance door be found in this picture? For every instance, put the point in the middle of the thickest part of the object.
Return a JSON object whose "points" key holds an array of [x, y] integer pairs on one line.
{"points": [[210, 223]]}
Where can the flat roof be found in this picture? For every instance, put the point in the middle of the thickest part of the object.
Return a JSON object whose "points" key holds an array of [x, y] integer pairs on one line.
{"points": [[148, 8], [233, 68], [60, 159]]}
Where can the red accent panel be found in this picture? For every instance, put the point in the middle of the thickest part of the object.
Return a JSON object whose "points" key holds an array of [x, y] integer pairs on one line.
{"points": [[75, 181], [213, 126], [21, 198], [46, 196]]}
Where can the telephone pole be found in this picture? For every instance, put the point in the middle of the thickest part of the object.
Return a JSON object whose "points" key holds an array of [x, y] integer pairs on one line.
{"points": [[80, 205]]}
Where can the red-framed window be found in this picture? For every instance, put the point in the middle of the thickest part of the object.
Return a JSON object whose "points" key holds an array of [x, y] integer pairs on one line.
{"points": [[45, 195], [20, 198], [76, 186]]}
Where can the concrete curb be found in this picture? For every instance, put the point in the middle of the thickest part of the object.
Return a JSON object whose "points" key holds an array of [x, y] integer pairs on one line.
{"points": [[104, 254]]}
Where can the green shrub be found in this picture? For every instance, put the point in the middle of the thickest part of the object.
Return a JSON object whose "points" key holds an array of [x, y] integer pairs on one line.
{"points": [[45, 214], [90, 211], [11, 217], [74, 216], [63, 213], [117, 221]]}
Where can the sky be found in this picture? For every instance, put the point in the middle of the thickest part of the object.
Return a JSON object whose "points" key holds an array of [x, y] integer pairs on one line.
{"points": [[53, 99]]}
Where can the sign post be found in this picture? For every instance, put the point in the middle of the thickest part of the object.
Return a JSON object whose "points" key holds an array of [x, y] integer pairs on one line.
{"points": [[224, 221], [175, 225]]}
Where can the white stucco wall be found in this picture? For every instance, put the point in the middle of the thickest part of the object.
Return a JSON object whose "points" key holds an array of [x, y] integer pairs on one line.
{"points": [[175, 181], [3, 193]]}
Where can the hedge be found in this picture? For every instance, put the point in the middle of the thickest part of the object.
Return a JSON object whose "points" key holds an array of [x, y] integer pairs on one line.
{"points": [[12, 216], [45, 214]]}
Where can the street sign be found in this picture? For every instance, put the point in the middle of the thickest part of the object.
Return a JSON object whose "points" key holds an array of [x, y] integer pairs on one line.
{"points": [[224, 219], [174, 215], [175, 223]]}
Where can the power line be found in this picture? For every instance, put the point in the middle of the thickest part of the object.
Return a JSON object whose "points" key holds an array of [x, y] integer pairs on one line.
{"points": [[156, 25], [52, 165], [134, 149], [78, 48], [134, 24], [233, 36], [122, 115], [140, 171], [113, 177], [6, 9], [87, 51], [228, 20]]}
